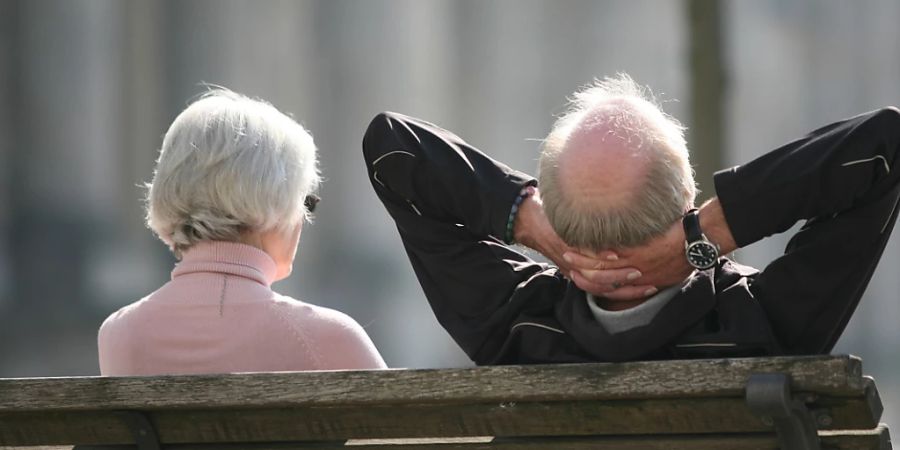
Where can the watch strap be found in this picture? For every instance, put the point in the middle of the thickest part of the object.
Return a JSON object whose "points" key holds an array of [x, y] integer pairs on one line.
{"points": [[691, 222]]}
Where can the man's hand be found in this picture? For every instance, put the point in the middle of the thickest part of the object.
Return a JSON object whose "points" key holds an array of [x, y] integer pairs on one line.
{"points": [[533, 230], [661, 261]]}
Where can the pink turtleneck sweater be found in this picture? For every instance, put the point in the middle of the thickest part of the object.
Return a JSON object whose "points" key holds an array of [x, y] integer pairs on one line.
{"points": [[219, 314]]}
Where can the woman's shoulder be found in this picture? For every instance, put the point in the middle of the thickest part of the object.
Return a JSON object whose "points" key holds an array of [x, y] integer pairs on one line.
{"points": [[311, 314], [347, 343], [319, 323], [135, 315], [117, 333], [121, 316]]}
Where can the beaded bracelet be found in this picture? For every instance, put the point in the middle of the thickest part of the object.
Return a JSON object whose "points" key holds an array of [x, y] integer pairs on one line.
{"points": [[510, 222]]}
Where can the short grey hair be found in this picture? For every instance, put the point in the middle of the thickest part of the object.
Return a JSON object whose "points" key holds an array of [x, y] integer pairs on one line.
{"points": [[663, 197], [230, 164]]}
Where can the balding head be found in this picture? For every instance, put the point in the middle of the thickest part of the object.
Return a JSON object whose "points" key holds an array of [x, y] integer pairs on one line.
{"points": [[614, 171]]}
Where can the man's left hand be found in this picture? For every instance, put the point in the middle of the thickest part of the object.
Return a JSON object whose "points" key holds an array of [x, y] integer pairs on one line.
{"points": [[661, 261]]}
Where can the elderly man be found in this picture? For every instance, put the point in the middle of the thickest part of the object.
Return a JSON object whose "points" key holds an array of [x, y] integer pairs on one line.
{"points": [[640, 272]]}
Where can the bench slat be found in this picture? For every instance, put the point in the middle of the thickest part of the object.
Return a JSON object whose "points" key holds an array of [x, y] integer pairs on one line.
{"points": [[836, 375], [660, 416], [670, 404], [875, 439]]}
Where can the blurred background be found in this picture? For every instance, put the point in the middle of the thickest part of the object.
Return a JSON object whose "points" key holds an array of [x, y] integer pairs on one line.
{"points": [[88, 88]]}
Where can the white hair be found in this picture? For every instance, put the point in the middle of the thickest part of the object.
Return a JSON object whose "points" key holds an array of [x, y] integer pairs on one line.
{"points": [[230, 164], [662, 197]]}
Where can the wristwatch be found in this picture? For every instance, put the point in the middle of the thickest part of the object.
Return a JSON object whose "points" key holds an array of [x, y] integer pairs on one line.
{"points": [[700, 252]]}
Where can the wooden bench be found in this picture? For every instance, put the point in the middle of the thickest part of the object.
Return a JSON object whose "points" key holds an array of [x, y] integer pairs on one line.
{"points": [[701, 404]]}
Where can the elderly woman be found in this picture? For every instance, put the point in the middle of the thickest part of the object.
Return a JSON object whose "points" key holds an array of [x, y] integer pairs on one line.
{"points": [[232, 188]]}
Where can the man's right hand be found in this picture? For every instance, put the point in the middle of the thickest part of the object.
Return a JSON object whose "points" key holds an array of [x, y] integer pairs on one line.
{"points": [[661, 260]]}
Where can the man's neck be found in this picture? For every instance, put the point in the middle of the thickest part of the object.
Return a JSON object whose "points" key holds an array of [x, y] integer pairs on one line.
{"points": [[618, 305]]}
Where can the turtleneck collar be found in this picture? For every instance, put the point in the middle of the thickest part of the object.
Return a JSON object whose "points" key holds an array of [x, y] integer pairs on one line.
{"points": [[229, 258]]}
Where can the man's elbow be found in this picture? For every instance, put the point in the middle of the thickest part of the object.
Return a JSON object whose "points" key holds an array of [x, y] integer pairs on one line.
{"points": [[377, 134], [892, 110], [888, 120]]}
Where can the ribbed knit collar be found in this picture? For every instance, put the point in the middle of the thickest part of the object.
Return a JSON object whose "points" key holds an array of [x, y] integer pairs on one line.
{"points": [[229, 258]]}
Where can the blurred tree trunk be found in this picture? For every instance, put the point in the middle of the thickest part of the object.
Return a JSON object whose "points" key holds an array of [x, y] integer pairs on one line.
{"points": [[706, 134]]}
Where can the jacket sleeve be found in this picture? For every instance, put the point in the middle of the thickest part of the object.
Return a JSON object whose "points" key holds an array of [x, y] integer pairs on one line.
{"points": [[451, 203], [831, 170], [440, 176], [843, 181]]}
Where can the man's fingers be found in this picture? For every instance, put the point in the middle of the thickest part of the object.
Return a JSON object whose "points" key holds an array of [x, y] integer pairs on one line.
{"points": [[603, 260], [588, 286], [610, 276], [607, 291], [577, 259], [608, 255]]}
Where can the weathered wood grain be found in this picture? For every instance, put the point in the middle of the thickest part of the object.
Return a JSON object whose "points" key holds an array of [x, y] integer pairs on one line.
{"points": [[836, 375], [875, 439], [841, 411], [670, 404], [652, 416]]}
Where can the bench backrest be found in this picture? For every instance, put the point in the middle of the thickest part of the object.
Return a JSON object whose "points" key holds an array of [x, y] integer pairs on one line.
{"points": [[695, 403]]}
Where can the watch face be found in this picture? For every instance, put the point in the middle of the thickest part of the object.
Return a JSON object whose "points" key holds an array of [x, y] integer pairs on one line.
{"points": [[702, 254]]}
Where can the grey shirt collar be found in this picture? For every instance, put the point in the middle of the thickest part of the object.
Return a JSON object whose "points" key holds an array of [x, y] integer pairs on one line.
{"points": [[638, 316]]}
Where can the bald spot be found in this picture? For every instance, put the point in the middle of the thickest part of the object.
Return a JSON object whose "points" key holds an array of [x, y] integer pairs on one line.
{"points": [[600, 167]]}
